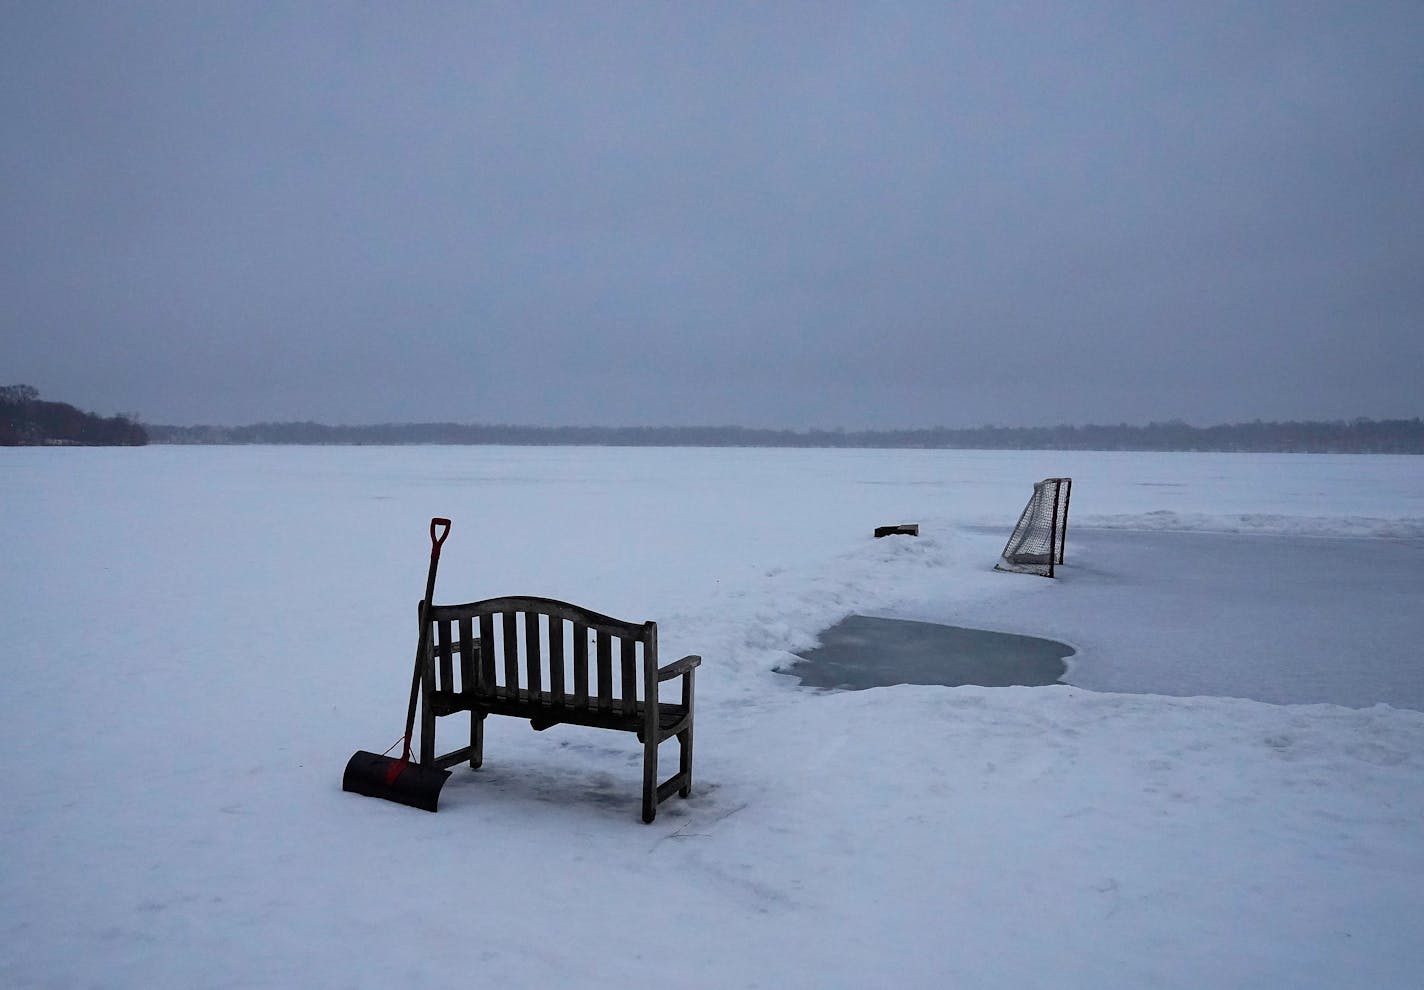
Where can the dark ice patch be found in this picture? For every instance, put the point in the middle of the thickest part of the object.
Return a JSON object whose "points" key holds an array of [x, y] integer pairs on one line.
{"points": [[861, 652]]}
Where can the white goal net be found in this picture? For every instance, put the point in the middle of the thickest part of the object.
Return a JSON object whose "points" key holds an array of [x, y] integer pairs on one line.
{"points": [[1036, 545]]}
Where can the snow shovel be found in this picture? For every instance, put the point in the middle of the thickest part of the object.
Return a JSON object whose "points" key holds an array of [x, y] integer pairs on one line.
{"points": [[400, 780]]}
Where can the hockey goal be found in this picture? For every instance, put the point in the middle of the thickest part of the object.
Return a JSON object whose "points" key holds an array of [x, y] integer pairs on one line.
{"points": [[1036, 545]]}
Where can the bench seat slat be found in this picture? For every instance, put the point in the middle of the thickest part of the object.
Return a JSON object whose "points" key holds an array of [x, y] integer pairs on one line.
{"points": [[486, 678], [533, 656], [511, 649], [580, 664], [556, 658], [447, 662], [467, 656], [629, 675], [605, 671]]}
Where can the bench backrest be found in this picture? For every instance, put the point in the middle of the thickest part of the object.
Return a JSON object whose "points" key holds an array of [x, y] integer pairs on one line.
{"points": [[559, 653]]}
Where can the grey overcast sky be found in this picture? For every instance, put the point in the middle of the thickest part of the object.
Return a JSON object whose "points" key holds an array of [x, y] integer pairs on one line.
{"points": [[777, 214]]}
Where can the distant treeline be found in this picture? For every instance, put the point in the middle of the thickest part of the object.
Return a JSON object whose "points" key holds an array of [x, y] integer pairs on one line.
{"points": [[1390, 436], [28, 421]]}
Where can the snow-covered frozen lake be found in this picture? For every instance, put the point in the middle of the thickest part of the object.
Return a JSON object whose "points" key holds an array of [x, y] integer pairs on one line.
{"points": [[1227, 793]]}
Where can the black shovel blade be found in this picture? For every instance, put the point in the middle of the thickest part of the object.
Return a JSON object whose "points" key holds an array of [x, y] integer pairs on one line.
{"points": [[384, 777]]}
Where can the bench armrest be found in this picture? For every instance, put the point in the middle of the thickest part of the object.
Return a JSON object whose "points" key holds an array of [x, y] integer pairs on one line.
{"points": [[679, 667]]}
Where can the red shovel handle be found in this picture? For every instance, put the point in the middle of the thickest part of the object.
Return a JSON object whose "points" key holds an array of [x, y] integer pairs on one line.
{"points": [[436, 540]]}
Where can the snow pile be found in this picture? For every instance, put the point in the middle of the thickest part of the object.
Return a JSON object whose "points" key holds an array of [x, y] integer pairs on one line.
{"points": [[1163, 520]]}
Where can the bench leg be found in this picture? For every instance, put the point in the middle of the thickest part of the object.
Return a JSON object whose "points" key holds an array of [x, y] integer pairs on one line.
{"points": [[684, 761], [650, 777], [684, 738], [427, 730], [477, 739]]}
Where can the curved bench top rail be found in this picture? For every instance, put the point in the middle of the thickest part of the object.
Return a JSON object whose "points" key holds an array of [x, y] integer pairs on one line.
{"points": [[541, 606]]}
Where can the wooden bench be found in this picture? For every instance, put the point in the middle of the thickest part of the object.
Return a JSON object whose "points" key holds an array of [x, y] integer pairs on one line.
{"points": [[552, 662]]}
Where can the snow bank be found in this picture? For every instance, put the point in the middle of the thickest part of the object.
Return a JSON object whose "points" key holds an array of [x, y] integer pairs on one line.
{"points": [[1275, 524]]}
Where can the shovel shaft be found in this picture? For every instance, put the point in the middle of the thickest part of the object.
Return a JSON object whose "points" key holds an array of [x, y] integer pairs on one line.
{"points": [[439, 529]]}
